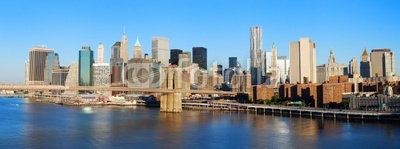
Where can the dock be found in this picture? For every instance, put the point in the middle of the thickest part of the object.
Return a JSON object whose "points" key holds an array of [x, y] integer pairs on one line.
{"points": [[335, 114]]}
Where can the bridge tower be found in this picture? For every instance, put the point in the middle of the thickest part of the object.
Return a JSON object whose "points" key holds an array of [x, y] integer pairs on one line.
{"points": [[171, 79]]}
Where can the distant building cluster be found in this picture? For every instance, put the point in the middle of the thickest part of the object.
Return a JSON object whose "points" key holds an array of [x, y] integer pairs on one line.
{"points": [[295, 76]]}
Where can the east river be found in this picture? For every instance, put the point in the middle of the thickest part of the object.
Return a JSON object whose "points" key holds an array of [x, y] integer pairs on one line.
{"points": [[28, 124]]}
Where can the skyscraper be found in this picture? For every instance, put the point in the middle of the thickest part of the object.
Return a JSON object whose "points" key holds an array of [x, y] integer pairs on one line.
{"points": [[255, 46], [365, 65], [37, 64], [101, 74], [115, 54], [353, 66], [200, 57], [174, 56], [303, 61], [383, 63], [330, 69], [160, 50], [137, 49], [184, 60], [283, 66], [274, 67], [100, 53], [85, 66], [124, 49], [232, 62], [52, 63]]}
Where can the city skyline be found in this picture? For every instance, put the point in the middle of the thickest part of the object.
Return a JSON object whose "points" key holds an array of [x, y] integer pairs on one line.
{"points": [[346, 27]]}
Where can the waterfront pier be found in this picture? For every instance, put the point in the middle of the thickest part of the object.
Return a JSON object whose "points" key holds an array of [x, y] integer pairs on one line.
{"points": [[297, 111]]}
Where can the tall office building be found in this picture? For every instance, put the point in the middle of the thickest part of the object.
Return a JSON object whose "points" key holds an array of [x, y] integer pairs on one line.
{"points": [[37, 64], [100, 53], [101, 74], [85, 66], [52, 63], [116, 66], [303, 61], [160, 50], [331, 69], [255, 46], [124, 49], [365, 65], [59, 76], [268, 62], [274, 78], [383, 63], [184, 60], [115, 54], [353, 66], [137, 49], [200, 57], [283, 66], [174, 56], [232, 62]]}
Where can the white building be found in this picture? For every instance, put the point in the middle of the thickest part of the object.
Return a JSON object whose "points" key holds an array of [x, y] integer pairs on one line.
{"points": [[160, 50], [331, 69], [100, 53], [303, 61], [101, 74], [283, 66]]}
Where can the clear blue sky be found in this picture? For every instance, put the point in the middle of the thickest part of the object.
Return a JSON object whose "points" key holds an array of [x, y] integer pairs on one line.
{"points": [[222, 26]]}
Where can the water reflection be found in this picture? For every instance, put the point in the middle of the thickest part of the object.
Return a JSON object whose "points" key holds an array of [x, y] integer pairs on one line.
{"points": [[41, 125]]}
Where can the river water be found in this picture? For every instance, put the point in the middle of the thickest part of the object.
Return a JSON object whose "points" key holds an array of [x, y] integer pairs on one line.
{"points": [[28, 124]]}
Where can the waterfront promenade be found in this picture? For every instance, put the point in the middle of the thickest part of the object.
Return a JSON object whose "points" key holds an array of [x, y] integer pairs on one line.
{"points": [[297, 111]]}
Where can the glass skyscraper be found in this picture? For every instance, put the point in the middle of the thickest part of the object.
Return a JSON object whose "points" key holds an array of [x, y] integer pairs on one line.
{"points": [[85, 66], [200, 57]]}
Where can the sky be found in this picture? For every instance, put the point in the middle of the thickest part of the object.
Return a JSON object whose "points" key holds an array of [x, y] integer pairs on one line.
{"points": [[222, 26]]}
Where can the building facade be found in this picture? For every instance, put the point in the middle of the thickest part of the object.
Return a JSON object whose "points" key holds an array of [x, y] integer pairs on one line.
{"points": [[283, 66], [365, 65], [255, 46], [184, 60], [174, 56], [101, 74], [353, 67], [100, 53], [52, 63], [85, 66], [37, 64], [137, 49], [303, 61], [124, 49], [160, 50], [274, 71], [330, 69], [200, 56], [382, 62], [232, 62], [72, 79], [59, 76]]}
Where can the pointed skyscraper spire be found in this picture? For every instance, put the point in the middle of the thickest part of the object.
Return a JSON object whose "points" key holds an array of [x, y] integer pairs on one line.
{"points": [[137, 43], [137, 49], [124, 48]]}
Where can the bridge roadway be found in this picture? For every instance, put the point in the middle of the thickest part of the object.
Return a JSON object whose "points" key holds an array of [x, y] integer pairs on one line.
{"points": [[95, 88]]}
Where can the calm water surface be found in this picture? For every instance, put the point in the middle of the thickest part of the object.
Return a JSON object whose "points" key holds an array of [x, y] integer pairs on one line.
{"points": [[28, 124]]}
